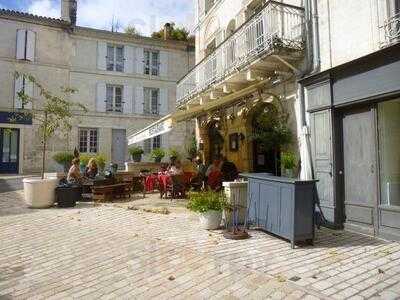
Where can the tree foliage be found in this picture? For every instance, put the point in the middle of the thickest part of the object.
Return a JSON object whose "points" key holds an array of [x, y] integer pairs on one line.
{"points": [[52, 112], [271, 128], [132, 30], [177, 34]]}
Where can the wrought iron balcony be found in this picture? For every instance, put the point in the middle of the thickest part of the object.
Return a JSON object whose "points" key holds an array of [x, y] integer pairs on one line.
{"points": [[391, 30], [277, 27]]}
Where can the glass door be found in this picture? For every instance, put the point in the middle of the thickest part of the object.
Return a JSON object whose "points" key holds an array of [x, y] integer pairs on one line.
{"points": [[9, 150], [389, 152]]}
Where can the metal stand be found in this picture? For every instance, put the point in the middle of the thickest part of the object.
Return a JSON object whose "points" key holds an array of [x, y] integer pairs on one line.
{"points": [[234, 232]]}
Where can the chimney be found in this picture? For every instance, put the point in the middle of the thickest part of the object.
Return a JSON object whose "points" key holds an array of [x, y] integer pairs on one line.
{"points": [[167, 31], [68, 11]]}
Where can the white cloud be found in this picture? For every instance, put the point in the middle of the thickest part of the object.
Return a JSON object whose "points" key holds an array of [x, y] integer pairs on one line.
{"points": [[44, 8], [145, 15]]}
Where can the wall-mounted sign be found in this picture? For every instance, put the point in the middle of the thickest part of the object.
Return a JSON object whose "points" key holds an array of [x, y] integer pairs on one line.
{"points": [[7, 117]]}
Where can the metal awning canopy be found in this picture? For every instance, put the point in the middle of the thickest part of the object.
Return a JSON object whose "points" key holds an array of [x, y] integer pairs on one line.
{"points": [[166, 123]]}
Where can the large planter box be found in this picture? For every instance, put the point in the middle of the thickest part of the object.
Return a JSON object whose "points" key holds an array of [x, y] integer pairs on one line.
{"points": [[282, 206]]}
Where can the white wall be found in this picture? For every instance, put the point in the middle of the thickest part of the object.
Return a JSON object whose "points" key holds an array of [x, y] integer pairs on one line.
{"points": [[349, 29]]}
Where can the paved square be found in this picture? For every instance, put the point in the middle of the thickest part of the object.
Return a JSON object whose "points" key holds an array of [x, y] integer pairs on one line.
{"points": [[112, 252]]}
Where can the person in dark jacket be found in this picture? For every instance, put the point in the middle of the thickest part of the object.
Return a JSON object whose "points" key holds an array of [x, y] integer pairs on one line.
{"points": [[229, 170]]}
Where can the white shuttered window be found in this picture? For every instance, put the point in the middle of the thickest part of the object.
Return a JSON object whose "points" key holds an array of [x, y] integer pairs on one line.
{"points": [[151, 101], [114, 98], [22, 84], [26, 44], [151, 62]]}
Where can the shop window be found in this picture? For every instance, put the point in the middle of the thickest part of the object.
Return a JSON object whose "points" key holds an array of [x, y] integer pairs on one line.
{"points": [[389, 145]]}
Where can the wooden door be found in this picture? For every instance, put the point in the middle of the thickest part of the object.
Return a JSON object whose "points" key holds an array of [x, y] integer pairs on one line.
{"points": [[321, 149], [118, 147], [9, 150], [359, 160]]}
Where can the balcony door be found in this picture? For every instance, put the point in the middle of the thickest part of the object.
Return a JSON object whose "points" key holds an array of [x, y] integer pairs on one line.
{"points": [[9, 150]]}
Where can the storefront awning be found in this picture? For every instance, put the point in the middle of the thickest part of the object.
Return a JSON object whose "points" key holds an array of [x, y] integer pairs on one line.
{"points": [[165, 124], [159, 127]]}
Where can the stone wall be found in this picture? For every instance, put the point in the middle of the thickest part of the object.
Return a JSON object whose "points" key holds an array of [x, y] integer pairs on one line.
{"points": [[64, 59]]}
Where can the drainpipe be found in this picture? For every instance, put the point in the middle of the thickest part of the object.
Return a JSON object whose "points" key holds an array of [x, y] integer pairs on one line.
{"points": [[311, 65], [315, 31]]}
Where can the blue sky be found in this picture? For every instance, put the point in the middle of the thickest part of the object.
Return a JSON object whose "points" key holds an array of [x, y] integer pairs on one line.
{"points": [[145, 15]]}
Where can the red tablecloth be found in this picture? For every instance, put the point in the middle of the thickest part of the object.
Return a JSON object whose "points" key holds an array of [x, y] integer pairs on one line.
{"points": [[150, 182], [164, 180]]}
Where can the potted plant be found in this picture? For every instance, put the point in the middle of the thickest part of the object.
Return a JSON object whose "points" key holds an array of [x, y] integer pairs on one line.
{"points": [[64, 158], [288, 161], [173, 155], [157, 154], [136, 153], [209, 205], [53, 113]]}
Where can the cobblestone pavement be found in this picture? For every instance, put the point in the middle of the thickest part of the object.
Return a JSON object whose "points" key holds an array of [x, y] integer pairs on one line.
{"points": [[112, 252]]}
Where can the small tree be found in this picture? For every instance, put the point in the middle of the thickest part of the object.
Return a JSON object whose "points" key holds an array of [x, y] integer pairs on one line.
{"points": [[132, 30], [54, 113], [271, 128]]}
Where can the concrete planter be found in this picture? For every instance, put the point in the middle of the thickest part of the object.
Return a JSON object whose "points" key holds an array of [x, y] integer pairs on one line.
{"points": [[40, 193], [211, 219]]}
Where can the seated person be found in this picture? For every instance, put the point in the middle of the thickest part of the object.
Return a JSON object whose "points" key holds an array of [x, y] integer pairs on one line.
{"points": [[176, 168], [214, 175], [201, 169], [229, 170], [91, 169], [74, 174], [163, 169]]}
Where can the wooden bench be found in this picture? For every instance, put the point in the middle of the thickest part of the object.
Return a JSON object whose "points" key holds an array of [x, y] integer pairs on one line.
{"points": [[108, 192]]}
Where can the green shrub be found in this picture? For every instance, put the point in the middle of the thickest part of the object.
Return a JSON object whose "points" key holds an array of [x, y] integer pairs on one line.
{"points": [[157, 154], [100, 160], [288, 160], [133, 151], [64, 158], [202, 202]]}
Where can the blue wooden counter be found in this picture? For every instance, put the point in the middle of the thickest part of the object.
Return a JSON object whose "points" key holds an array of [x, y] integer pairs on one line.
{"points": [[282, 206]]}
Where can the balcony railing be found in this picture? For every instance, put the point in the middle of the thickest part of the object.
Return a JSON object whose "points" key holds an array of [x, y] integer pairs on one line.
{"points": [[391, 30], [276, 26]]}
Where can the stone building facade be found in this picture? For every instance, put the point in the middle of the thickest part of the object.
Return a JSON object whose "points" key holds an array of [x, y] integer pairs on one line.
{"points": [[125, 81], [353, 111], [247, 54]]}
